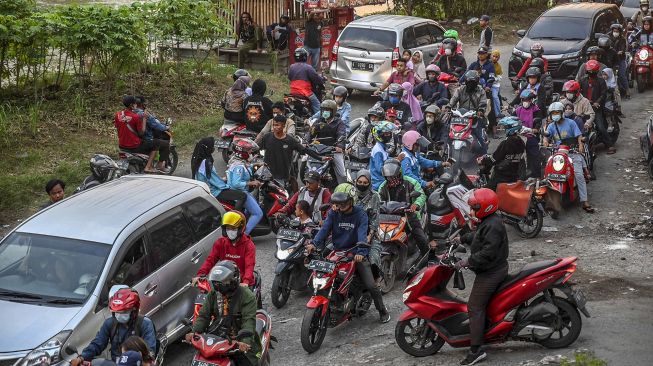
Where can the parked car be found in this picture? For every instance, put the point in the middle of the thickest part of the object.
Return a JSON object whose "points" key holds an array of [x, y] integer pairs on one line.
{"points": [[148, 232], [630, 7], [565, 32], [368, 48]]}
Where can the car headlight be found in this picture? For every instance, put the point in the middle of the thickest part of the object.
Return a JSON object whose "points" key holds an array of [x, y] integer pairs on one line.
{"points": [[49, 353], [558, 163], [320, 282], [643, 54]]}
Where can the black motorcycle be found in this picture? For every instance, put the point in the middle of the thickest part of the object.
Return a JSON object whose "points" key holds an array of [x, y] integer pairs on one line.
{"points": [[357, 160], [114, 169], [324, 168], [137, 162]]}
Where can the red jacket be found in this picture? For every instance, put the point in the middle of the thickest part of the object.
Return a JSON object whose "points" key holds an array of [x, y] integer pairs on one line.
{"points": [[128, 137], [242, 252]]}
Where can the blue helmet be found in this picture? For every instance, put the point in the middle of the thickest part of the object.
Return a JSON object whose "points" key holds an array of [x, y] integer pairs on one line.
{"points": [[527, 94], [511, 124]]}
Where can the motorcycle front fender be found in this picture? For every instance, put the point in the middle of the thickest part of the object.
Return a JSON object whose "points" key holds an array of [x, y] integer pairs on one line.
{"points": [[408, 315], [283, 266], [316, 301], [560, 187]]}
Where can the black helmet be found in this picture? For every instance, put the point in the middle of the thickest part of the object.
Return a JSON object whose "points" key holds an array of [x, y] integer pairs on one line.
{"points": [[539, 63], [449, 43], [648, 19], [593, 50], [376, 111], [395, 89], [472, 75], [225, 277], [617, 26], [533, 71], [604, 42], [340, 91], [129, 100], [301, 55], [102, 167], [391, 168], [341, 197], [238, 73]]}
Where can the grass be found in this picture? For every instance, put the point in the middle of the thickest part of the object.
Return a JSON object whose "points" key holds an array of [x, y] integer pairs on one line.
{"points": [[584, 359], [56, 137]]}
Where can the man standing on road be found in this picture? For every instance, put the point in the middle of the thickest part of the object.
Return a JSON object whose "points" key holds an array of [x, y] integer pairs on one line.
{"points": [[313, 38], [486, 33]]}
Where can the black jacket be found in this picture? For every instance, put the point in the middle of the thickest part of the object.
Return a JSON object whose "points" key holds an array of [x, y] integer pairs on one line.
{"points": [[489, 245], [599, 90]]}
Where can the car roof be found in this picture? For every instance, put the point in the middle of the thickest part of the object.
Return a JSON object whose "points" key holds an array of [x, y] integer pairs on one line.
{"points": [[388, 21], [100, 214], [577, 10]]}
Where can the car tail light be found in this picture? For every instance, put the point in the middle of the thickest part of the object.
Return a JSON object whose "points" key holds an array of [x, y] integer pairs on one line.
{"points": [[395, 56], [334, 51]]}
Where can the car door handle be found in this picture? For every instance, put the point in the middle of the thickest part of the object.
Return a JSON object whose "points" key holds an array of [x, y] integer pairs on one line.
{"points": [[196, 256], [151, 290]]}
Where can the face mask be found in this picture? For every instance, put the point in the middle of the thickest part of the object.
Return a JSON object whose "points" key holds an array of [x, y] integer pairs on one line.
{"points": [[615, 34], [471, 85], [232, 234], [394, 100], [556, 117], [526, 104], [326, 114], [122, 318], [644, 9], [432, 78], [276, 114], [569, 113], [430, 120], [571, 96], [362, 187], [386, 138], [447, 52]]}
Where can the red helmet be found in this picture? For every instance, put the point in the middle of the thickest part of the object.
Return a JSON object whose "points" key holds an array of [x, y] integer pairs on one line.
{"points": [[125, 299], [571, 86], [592, 66], [245, 148], [391, 112], [484, 202]]}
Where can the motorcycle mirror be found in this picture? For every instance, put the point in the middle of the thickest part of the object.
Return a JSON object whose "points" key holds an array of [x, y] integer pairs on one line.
{"points": [[521, 33], [325, 207], [414, 194], [70, 350], [243, 333]]}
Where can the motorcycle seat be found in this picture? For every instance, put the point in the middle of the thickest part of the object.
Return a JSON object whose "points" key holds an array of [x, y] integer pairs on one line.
{"points": [[260, 327], [246, 133], [130, 155], [526, 271], [353, 125]]}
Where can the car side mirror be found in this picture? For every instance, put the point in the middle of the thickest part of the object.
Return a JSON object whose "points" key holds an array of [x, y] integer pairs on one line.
{"points": [[243, 333], [70, 350], [521, 33]]}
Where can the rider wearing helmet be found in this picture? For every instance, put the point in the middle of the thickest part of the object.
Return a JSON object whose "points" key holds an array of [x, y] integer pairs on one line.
{"points": [[413, 162], [432, 126], [530, 114], [233, 245], [451, 62], [471, 96], [431, 90], [449, 34], [593, 53], [608, 56], [507, 156], [619, 44], [564, 131], [234, 307], [646, 34], [383, 135], [534, 85], [641, 14], [304, 79], [330, 130], [404, 112], [594, 88], [399, 187], [488, 259], [348, 225], [582, 106], [340, 94], [123, 323], [537, 51], [239, 177], [375, 115]]}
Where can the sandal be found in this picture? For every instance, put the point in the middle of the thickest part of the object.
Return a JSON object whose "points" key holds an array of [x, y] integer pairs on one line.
{"points": [[153, 171], [588, 208]]}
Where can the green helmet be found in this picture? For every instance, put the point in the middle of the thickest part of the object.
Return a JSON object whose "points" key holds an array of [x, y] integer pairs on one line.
{"points": [[451, 33], [383, 131], [346, 188]]}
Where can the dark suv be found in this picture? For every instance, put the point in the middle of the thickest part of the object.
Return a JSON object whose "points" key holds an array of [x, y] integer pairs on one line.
{"points": [[565, 32]]}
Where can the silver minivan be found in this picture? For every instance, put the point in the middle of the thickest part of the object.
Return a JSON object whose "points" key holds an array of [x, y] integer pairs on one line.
{"points": [[367, 49], [148, 232]]}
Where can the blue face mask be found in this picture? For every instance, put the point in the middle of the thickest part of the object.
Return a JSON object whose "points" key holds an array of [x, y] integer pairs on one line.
{"points": [[394, 100], [122, 318], [326, 114], [556, 117]]}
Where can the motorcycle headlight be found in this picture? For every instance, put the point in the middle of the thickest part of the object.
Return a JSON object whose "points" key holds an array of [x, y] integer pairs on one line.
{"points": [[387, 235], [558, 163], [405, 296], [643, 54], [49, 353], [320, 282], [285, 253], [415, 280]]}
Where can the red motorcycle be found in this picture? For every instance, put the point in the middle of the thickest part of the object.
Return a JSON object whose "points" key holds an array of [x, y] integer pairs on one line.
{"points": [[525, 307], [642, 66], [227, 133], [338, 297], [560, 180], [450, 82]]}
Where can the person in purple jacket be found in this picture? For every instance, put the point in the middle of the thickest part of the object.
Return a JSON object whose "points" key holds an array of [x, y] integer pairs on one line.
{"points": [[530, 115]]}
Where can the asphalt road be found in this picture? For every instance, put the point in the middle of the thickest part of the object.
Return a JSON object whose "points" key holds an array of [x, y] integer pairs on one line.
{"points": [[614, 271]]}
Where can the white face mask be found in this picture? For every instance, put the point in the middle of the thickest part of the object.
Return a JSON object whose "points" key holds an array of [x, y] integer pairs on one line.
{"points": [[123, 318], [232, 234], [615, 34], [526, 104], [430, 120], [570, 96], [447, 52]]}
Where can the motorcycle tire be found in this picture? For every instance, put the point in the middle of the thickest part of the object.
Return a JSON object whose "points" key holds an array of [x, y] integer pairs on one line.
{"points": [[554, 201], [173, 160], [641, 83], [225, 155], [568, 318], [389, 270], [314, 328], [650, 168], [536, 219], [424, 341], [280, 290]]}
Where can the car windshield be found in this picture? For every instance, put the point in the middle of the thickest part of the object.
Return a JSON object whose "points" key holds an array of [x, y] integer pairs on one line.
{"points": [[631, 3], [365, 39], [40, 268], [561, 28]]}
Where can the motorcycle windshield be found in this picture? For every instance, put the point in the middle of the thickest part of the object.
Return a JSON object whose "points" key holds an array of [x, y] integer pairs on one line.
{"points": [[393, 207]]}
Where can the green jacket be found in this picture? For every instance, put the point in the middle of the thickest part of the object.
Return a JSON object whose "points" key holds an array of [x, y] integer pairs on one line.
{"points": [[243, 306], [411, 185]]}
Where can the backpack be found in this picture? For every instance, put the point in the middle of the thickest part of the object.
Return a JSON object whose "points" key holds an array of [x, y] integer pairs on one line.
{"points": [[136, 331]]}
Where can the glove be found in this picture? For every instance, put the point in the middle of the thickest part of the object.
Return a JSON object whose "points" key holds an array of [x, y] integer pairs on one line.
{"points": [[463, 263]]}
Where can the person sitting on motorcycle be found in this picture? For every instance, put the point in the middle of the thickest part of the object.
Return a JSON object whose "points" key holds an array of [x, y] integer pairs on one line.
{"points": [[564, 131], [452, 62], [504, 162], [152, 126], [233, 100], [537, 51], [432, 127], [608, 55], [233, 245], [413, 162], [582, 106], [485, 68], [239, 177], [344, 108], [330, 130], [448, 34], [303, 214], [135, 353], [613, 97], [383, 134], [580, 122], [278, 109], [257, 107], [391, 116], [533, 84], [646, 34], [370, 201], [593, 53], [375, 115], [488, 260], [641, 14], [531, 116], [234, 306], [595, 89], [124, 322], [431, 90], [619, 44], [401, 75], [348, 224], [403, 109], [313, 193], [131, 128], [399, 187], [304, 79], [471, 96]]}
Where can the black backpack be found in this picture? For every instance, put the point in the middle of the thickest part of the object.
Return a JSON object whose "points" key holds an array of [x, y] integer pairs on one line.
{"points": [[135, 332]]}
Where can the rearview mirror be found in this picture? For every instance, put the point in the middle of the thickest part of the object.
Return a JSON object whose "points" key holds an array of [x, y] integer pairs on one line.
{"points": [[70, 350], [521, 33]]}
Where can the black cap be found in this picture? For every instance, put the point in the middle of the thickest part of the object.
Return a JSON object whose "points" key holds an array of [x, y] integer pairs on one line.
{"points": [[485, 17], [483, 49], [312, 177]]}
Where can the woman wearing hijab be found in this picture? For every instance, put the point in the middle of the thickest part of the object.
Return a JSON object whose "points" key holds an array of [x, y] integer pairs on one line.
{"points": [[234, 99], [413, 102], [202, 169], [370, 201], [418, 65]]}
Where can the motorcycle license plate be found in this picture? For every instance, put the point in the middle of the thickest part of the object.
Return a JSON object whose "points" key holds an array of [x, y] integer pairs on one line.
{"points": [[363, 66], [558, 177], [357, 165], [579, 297], [221, 144], [322, 266], [200, 298], [202, 363], [287, 234]]}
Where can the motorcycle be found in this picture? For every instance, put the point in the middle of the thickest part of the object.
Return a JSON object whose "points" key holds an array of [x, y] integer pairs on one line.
{"points": [[560, 179], [230, 133], [357, 160], [446, 205], [324, 168], [521, 204], [464, 146], [118, 169], [642, 64], [138, 161], [338, 296], [450, 81], [525, 307], [291, 272], [646, 143]]}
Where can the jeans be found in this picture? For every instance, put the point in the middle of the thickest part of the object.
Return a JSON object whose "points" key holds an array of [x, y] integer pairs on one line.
{"points": [[602, 128], [364, 272], [339, 167], [314, 56], [496, 102], [315, 103], [485, 284], [478, 133], [255, 212], [579, 161], [622, 76]]}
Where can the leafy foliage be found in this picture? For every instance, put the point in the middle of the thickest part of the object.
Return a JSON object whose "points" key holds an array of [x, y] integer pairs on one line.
{"points": [[584, 359], [439, 9]]}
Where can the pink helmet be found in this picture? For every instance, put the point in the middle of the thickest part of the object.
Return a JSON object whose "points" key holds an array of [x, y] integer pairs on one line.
{"points": [[433, 68], [410, 138]]}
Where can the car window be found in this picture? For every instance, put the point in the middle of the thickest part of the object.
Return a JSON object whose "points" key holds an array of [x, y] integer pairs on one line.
{"points": [[133, 266], [169, 238], [408, 40], [203, 216], [366, 39], [437, 35], [561, 28], [602, 24], [422, 35]]}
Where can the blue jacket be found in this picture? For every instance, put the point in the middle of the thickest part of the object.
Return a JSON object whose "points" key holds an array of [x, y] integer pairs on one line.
{"points": [[346, 230], [379, 156], [413, 163], [215, 183], [486, 71], [237, 176], [431, 92], [99, 344], [152, 124]]}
